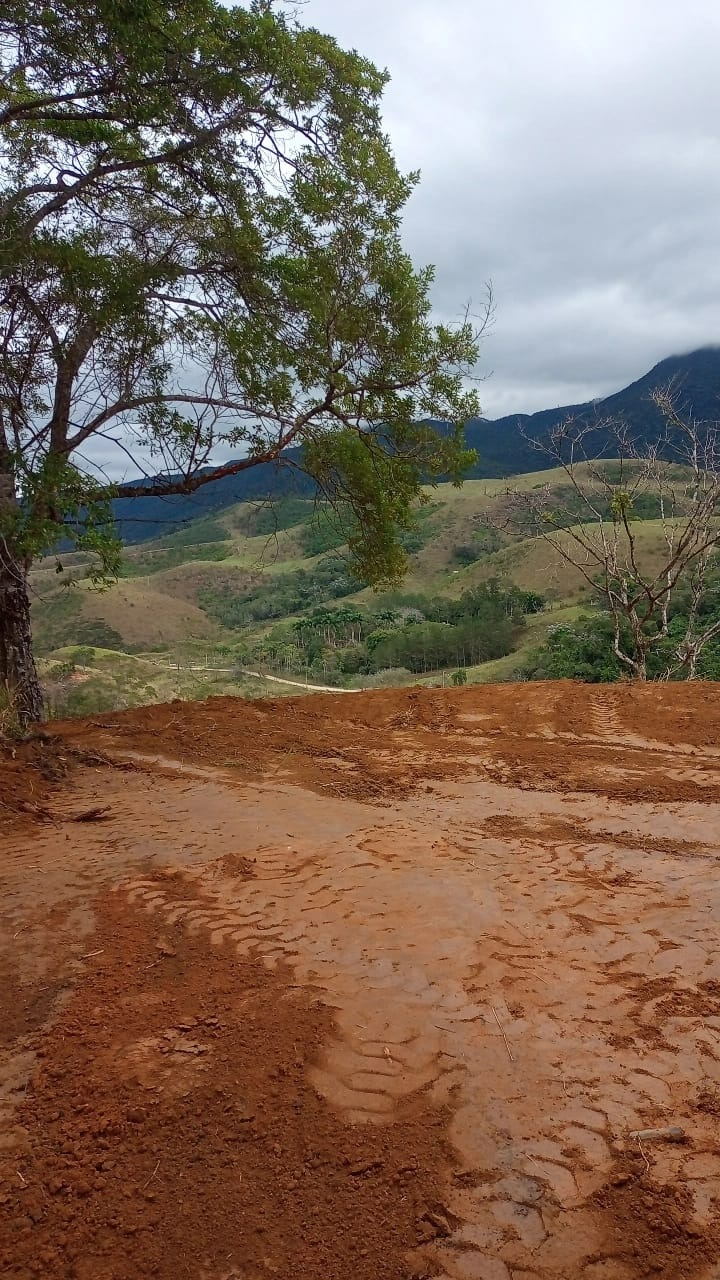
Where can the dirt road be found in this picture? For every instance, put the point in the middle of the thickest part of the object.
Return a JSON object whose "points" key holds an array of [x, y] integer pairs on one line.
{"points": [[370, 987]]}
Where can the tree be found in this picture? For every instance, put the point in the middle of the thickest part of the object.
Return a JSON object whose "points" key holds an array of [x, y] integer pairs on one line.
{"points": [[200, 259], [592, 524]]}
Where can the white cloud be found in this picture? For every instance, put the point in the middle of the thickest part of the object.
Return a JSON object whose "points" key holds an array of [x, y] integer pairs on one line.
{"points": [[571, 154]]}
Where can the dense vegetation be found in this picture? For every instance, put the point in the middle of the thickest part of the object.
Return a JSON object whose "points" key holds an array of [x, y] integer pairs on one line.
{"points": [[280, 594], [414, 632], [584, 650]]}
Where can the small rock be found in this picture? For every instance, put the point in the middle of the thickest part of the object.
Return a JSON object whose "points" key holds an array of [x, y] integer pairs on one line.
{"points": [[365, 1166]]}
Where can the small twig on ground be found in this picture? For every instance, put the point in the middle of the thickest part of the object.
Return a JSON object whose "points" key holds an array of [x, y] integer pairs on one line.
{"points": [[152, 1175], [502, 1033], [23, 1180], [642, 1153], [25, 926], [89, 954], [98, 814]]}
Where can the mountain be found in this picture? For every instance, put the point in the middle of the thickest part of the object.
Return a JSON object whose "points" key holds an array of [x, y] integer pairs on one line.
{"points": [[503, 449], [501, 444]]}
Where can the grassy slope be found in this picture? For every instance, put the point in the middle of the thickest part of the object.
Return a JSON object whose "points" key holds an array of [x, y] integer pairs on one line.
{"points": [[112, 680], [161, 606]]}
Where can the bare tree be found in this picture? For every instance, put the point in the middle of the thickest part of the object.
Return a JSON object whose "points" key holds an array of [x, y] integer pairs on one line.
{"points": [[591, 521]]}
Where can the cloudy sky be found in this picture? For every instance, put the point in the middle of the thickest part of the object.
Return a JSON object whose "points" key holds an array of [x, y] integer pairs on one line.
{"points": [[570, 153]]}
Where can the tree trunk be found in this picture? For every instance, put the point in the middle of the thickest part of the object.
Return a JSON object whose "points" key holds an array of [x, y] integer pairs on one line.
{"points": [[18, 674]]}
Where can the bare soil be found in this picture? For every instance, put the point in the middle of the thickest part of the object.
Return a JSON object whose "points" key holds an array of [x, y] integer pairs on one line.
{"points": [[366, 987]]}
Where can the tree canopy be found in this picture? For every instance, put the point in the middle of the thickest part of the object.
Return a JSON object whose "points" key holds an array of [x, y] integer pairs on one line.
{"points": [[201, 265]]}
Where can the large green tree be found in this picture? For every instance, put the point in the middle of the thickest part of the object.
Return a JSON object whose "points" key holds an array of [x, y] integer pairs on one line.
{"points": [[200, 259]]}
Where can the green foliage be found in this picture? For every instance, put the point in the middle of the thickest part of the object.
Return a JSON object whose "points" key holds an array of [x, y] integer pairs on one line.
{"points": [[324, 532], [566, 507], [279, 595], [58, 504], [55, 620], [89, 698], [332, 527], [459, 677], [197, 532], [96, 633], [58, 622], [420, 531], [228, 203], [466, 553], [347, 640], [484, 542], [428, 646], [84, 655], [480, 625], [583, 651]]}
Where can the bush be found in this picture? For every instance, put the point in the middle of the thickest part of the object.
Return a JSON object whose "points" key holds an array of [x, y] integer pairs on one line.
{"points": [[10, 727], [279, 595]]}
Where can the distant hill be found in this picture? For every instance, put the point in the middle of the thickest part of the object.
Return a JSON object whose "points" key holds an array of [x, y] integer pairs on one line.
{"points": [[503, 450], [502, 447], [139, 519]]}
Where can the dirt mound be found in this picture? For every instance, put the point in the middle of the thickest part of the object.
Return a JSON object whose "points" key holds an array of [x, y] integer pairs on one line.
{"points": [[34, 771], [384, 744], [662, 1239], [27, 771], [200, 1148]]}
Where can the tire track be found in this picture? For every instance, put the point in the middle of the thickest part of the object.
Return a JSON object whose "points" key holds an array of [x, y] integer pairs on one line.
{"points": [[499, 973]]}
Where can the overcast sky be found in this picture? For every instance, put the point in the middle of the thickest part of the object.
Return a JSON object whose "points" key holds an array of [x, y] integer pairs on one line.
{"points": [[570, 153]]}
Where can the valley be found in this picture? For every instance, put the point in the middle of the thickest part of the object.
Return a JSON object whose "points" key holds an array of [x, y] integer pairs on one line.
{"points": [[267, 588]]}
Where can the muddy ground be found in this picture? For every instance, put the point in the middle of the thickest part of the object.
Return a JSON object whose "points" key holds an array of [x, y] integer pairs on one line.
{"points": [[365, 988]]}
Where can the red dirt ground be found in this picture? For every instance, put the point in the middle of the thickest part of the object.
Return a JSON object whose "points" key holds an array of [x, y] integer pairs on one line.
{"points": [[366, 987]]}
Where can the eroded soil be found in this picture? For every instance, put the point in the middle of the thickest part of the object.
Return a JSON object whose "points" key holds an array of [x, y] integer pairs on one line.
{"points": [[365, 987]]}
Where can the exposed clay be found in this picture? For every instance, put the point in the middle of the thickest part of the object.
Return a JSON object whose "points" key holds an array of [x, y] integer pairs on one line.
{"points": [[463, 1000]]}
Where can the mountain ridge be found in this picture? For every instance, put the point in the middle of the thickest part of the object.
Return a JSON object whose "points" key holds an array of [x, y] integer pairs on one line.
{"points": [[504, 445]]}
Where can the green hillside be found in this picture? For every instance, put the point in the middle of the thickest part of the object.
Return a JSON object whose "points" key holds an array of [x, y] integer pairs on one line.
{"points": [[269, 590]]}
